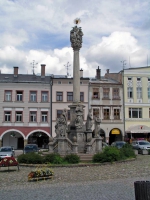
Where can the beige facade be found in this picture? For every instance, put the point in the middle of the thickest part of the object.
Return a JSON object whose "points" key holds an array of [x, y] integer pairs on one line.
{"points": [[137, 102], [62, 97], [106, 102]]}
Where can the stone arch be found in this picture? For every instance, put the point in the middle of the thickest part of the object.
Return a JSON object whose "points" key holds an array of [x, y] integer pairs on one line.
{"points": [[39, 137], [38, 130], [115, 134], [12, 130]]}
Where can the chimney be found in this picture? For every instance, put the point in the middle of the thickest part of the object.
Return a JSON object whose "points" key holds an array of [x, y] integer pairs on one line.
{"points": [[98, 73], [81, 73], [107, 70], [15, 71], [43, 70]]}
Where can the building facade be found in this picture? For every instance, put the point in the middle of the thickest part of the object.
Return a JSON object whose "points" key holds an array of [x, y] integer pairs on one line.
{"points": [[137, 102], [106, 102]]}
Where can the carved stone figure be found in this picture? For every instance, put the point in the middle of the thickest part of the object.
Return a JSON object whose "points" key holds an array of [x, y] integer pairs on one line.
{"points": [[76, 37], [89, 121], [61, 124], [79, 117], [97, 126]]}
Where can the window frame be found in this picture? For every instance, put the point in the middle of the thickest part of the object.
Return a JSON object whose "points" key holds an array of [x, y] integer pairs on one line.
{"points": [[82, 96], [10, 115], [19, 115], [18, 99], [130, 92], [139, 92], [69, 97], [5, 99], [58, 113], [30, 115], [116, 93], [106, 93], [59, 97], [116, 113], [33, 91], [45, 115], [132, 113], [106, 115], [44, 101]]}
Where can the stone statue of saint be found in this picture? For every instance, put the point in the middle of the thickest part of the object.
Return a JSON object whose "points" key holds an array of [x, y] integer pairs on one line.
{"points": [[61, 124], [89, 121], [97, 126]]}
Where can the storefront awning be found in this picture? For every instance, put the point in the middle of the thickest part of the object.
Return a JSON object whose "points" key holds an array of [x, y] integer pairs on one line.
{"points": [[138, 129]]}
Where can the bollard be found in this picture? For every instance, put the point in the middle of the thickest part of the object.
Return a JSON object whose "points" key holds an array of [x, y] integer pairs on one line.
{"points": [[142, 190]]}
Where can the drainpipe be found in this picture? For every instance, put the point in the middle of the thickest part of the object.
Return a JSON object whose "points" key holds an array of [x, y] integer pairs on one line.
{"points": [[51, 84]]}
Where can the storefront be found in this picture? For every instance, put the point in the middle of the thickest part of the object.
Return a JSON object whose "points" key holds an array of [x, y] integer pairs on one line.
{"points": [[115, 135], [138, 132]]}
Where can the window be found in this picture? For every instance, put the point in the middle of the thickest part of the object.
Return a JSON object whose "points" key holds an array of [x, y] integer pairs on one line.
{"points": [[135, 112], [59, 96], [44, 96], [115, 93], [116, 113], [19, 95], [59, 82], [129, 79], [95, 93], [82, 96], [69, 96], [148, 79], [59, 112], [18, 116], [95, 112], [33, 96], [149, 112], [33, 116], [44, 116], [106, 93], [138, 79], [8, 95], [130, 92], [7, 116], [68, 114], [106, 113], [148, 93], [70, 82], [139, 92]]}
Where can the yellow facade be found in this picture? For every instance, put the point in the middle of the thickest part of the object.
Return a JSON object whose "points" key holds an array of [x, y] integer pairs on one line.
{"points": [[134, 78]]}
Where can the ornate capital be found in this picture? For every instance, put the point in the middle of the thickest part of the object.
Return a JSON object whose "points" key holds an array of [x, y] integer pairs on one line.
{"points": [[76, 38]]}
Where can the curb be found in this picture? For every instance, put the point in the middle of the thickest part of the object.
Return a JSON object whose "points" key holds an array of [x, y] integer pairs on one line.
{"points": [[76, 165]]}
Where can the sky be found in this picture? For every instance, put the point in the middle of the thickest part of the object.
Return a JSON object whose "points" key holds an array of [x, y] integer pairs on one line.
{"points": [[38, 32]]}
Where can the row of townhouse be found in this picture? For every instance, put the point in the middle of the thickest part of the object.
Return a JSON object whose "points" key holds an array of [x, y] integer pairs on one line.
{"points": [[30, 105], [136, 101]]}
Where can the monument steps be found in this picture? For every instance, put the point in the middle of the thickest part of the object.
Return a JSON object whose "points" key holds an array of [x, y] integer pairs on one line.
{"points": [[85, 157]]}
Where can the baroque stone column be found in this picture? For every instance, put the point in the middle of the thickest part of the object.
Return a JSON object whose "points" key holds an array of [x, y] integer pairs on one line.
{"points": [[76, 43]]}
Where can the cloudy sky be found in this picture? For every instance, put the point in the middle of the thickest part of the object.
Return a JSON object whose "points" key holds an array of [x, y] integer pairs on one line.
{"points": [[39, 30]]}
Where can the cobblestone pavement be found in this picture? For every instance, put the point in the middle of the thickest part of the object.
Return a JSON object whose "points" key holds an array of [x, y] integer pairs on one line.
{"points": [[112, 181]]}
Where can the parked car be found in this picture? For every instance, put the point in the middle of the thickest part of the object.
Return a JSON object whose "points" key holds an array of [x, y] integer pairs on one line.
{"points": [[31, 148], [7, 151], [118, 144], [141, 144]]}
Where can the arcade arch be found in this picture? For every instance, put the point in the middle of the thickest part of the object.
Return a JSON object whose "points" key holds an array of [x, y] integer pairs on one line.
{"points": [[115, 134]]}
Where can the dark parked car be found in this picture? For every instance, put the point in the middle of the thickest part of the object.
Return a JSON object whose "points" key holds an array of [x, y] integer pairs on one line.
{"points": [[118, 144], [31, 148], [6, 151], [141, 144]]}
